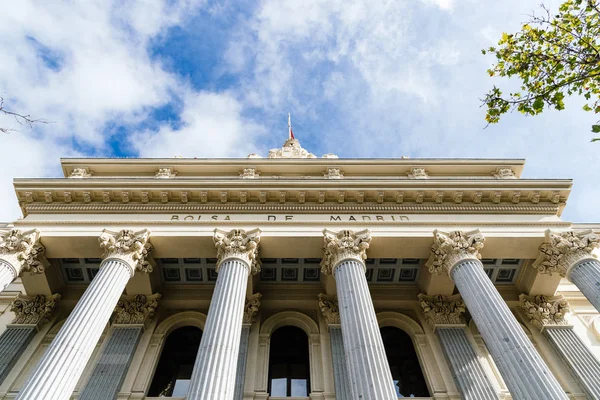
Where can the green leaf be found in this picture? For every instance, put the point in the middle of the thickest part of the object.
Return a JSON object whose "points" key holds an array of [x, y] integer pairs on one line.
{"points": [[538, 104], [596, 128]]}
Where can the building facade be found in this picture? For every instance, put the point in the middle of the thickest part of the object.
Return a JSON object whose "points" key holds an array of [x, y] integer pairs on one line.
{"points": [[297, 276]]}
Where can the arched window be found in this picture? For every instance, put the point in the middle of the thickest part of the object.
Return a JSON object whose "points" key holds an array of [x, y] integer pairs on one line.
{"points": [[288, 363], [172, 376], [404, 364]]}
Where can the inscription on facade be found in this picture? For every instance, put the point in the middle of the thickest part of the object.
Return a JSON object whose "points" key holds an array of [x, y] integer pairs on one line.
{"points": [[289, 217]]}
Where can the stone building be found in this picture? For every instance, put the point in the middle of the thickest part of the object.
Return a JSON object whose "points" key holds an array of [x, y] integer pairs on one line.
{"points": [[297, 276]]}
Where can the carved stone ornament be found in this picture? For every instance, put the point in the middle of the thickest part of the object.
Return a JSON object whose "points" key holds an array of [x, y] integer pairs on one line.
{"points": [[23, 251], [333, 173], [418, 173], [330, 309], [450, 248], [504, 173], [238, 243], [135, 309], [129, 246], [545, 311], [562, 250], [251, 308], [81, 173], [249, 173], [290, 149], [33, 310], [443, 310], [343, 245], [165, 173]]}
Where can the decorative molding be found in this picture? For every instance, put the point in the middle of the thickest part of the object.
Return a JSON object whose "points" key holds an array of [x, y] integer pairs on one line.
{"points": [[131, 247], [48, 197], [136, 309], [106, 197], [439, 197], [443, 310], [125, 197], [418, 173], [240, 244], [145, 196], [165, 173], [81, 173], [68, 196], [516, 197], [330, 309], [420, 196], [535, 197], [504, 173], [251, 308], [450, 248], [164, 197], [496, 197], [243, 197], [543, 311], [458, 197], [562, 250], [400, 197], [34, 310], [88, 197], [333, 173], [23, 251], [477, 197], [249, 173], [184, 197], [343, 245]]}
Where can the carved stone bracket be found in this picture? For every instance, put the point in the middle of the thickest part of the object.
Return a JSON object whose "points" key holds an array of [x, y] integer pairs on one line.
{"points": [[130, 247], [165, 173], [545, 311], [136, 309], [33, 310], [251, 308], [23, 251], [81, 173], [562, 250], [238, 243], [330, 309], [343, 245], [450, 248], [504, 173], [443, 310]]}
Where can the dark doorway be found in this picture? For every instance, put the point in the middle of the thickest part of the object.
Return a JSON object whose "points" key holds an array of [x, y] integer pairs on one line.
{"points": [[288, 363], [172, 376], [404, 363]]}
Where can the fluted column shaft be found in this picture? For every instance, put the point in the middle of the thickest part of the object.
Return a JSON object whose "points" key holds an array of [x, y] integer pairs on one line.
{"points": [[586, 276], [240, 373], [584, 366], [340, 370], [57, 373], [215, 367], [523, 370], [469, 375], [368, 368], [7, 274], [13, 341]]}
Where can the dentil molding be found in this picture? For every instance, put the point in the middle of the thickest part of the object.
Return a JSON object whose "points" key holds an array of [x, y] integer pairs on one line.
{"points": [[128, 246], [344, 245], [449, 248], [562, 250], [240, 244]]}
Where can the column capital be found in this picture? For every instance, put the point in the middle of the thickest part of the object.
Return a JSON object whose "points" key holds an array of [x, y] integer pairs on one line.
{"points": [[449, 248], [23, 251], [562, 250], [344, 245], [251, 308], [136, 309], [34, 310], [443, 310], [131, 247], [240, 244], [545, 311], [330, 309]]}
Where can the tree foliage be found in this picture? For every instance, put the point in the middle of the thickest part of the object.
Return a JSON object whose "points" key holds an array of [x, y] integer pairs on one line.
{"points": [[553, 56]]}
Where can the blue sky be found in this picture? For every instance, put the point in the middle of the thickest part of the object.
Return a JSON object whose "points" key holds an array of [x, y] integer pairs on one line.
{"points": [[217, 78]]}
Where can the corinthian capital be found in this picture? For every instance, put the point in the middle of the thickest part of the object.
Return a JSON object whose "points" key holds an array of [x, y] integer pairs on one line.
{"points": [[443, 310], [129, 246], [545, 311], [33, 310], [344, 245], [238, 243], [330, 309], [135, 309], [23, 251], [251, 308], [450, 248], [562, 250]]}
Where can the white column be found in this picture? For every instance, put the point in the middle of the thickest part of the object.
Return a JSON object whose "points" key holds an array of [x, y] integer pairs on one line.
{"points": [[368, 368], [214, 371], [571, 254], [60, 368], [20, 251], [523, 370]]}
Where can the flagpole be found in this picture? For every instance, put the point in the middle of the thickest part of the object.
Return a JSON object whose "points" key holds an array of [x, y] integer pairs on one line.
{"points": [[289, 126]]}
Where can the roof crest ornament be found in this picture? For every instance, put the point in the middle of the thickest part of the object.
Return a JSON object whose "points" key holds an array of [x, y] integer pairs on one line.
{"points": [[291, 148]]}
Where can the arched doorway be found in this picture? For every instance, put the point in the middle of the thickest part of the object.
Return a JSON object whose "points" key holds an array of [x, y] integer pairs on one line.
{"points": [[289, 371]]}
